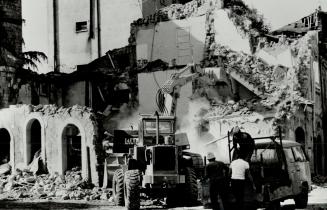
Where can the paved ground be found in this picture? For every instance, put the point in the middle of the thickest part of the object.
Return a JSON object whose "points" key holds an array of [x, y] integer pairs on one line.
{"points": [[317, 201]]}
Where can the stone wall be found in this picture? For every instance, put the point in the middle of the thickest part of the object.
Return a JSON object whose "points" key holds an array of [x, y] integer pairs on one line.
{"points": [[18, 120]]}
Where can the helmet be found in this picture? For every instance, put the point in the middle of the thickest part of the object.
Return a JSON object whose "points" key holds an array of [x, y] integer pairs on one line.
{"points": [[210, 156], [236, 129]]}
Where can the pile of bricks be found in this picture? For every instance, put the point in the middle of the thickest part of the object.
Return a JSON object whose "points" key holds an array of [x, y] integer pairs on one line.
{"points": [[25, 184]]}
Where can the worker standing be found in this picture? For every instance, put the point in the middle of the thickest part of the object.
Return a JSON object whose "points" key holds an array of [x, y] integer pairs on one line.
{"points": [[216, 172], [245, 143], [239, 173]]}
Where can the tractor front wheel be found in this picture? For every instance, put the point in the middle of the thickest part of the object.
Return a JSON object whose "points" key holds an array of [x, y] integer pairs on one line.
{"points": [[118, 187], [191, 187], [132, 189]]}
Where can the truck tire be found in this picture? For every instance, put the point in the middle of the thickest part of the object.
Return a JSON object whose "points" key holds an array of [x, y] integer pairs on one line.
{"points": [[132, 190], [118, 187], [301, 200], [191, 187]]}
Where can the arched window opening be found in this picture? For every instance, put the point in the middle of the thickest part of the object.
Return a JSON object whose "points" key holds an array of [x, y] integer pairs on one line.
{"points": [[71, 147], [33, 142], [4, 146], [300, 136]]}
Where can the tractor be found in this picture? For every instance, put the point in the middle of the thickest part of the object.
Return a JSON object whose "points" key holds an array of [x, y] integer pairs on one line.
{"points": [[154, 162]]}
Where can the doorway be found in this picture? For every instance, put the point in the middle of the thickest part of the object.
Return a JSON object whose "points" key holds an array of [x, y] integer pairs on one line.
{"points": [[33, 142], [4, 146], [71, 147], [300, 136]]}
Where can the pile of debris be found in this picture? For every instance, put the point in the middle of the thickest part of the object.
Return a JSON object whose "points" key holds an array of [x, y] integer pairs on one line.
{"points": [[25, 184], [319, 180], [240, 108], [171, 12], [249, 67]]}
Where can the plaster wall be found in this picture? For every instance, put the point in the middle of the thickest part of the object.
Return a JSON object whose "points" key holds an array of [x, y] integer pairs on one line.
{"points": [[17, 119], [227, 34], [182, 40], [76, 48]]}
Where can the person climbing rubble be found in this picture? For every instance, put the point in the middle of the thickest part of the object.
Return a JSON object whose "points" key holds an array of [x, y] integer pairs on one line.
{"points": [[217, 173], [243, 143]]}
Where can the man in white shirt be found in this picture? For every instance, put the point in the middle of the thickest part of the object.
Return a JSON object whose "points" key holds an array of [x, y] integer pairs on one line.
{"points": [[240, 171]]}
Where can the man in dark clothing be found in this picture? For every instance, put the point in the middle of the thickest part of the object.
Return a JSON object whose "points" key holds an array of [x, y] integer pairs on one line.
{"points": [[245, 142], [216, 172]]}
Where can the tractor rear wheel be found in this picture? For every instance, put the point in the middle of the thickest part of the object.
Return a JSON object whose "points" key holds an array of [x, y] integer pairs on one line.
{"points": [[118, 187], [191, 187], [132, 190]]}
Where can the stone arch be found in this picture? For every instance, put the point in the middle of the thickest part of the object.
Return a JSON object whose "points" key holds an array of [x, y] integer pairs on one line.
{"points": [[300, 135], [63, 146], [71, 147], [33, 139], [5, 146]]}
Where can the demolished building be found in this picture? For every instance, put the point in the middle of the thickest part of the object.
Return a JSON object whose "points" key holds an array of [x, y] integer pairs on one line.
{"points": [[265, 81], [271, 80]]}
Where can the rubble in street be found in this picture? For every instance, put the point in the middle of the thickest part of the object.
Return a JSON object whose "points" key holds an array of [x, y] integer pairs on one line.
{"points": [[27, 185]]}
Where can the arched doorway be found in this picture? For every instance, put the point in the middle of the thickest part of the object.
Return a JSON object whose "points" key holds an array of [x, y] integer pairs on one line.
{"points": [[33, 141], [71, 147], [319, 155], [300, 136], [4, 146]]}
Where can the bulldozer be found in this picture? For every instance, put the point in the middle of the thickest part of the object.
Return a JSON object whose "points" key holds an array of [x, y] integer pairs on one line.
{"points": [[153, 160]]}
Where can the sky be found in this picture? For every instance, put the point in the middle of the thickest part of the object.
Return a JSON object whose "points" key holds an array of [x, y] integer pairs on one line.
{"points": [[281, 12]]}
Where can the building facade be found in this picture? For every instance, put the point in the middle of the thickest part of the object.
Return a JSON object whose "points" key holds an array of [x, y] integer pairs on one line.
{"points": [[73, 33]]}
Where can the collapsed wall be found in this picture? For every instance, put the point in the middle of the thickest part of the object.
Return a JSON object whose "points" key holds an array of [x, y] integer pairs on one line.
{"points": [[281, 75], [63, 138]]}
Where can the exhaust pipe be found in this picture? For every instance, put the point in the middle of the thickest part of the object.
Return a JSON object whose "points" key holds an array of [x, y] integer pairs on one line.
{"points": [[157, 127]]}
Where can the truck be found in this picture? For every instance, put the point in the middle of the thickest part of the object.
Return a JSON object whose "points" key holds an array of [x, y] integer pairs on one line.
{"points": [[154, 160], [280, 170]]}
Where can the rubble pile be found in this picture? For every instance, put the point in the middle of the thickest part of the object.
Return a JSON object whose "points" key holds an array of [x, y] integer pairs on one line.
{"points": [[171, 12], [247, 21], [250, 67], [305, 51], [242, 107], [25, 184], [270, 80], [319, 180]]}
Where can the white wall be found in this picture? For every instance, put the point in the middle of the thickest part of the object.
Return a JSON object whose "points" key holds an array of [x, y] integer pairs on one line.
{"points": [[76, 48], [37, 28], [227, 34], [166, 45], [116, 17]]}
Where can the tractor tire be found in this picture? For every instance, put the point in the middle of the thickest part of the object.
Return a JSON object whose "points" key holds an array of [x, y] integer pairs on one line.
{"points": [[118, 187], [191, 187], [132, 189], [301, 201]]}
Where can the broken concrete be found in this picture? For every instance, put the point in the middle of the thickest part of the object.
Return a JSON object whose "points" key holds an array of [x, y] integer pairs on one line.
{"points": [[52, 126]]}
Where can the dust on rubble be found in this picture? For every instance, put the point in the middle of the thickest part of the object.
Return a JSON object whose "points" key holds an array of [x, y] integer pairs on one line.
{"points": [[23, 184]]}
